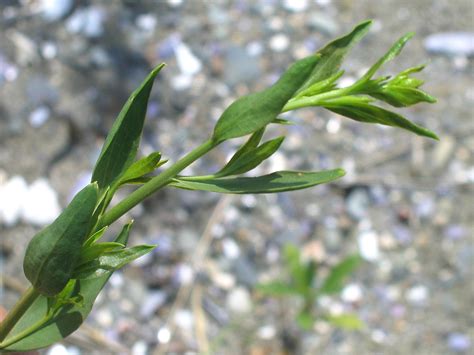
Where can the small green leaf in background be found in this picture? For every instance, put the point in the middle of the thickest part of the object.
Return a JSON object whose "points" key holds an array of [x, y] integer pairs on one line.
{"points": [[121, 145], [276, 182], [335, 280], [305, 320], [250, 113], [332, 55], [277, 288], [68, 319], [346, 321], [52, 253], [296, 267], [250, 159]]}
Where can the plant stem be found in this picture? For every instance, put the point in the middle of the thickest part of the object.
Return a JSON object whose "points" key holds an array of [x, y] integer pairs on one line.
{"points": [[154, 184], [26, 300], [23, 334]]}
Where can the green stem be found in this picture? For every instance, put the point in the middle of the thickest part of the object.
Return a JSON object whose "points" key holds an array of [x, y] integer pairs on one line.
{"points": [[26, 300], [154, 184], [315, 100]]}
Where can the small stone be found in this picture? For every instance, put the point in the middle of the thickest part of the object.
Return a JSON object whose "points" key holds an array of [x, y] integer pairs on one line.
{"points": [[153, 301], [140, 348], [378, 336], [12, 196], [183, 318], [324, 23], [239, 301], [417, 295], [352, 293], [267, 332], [279, 42], [187, 62], [295, 5], [450, 43], [459, 342], [53, 10], [146, 22], [369, 245], [240, 64], [39, 116], [49, 50], [357, 203], [455, 232], [41, 206], [230, 248], [58, 349], [87, 21], [164, 335]]}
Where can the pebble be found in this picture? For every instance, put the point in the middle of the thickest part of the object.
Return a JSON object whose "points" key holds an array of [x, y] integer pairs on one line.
{"points": [[230, 248], [352, 293], [240, 64], [357, 203], [450, 43], [279, 42], [324, 23], [88, 21], [417, 295], [41, 205], [183, 318], [295, 5], [459, 342], [164, 335], [12, 196], [39, 116], [239, 301], [154, 300], [58, 349], [368, 245], [54, 10], [188, 63], [140, 348], [267, 332]]}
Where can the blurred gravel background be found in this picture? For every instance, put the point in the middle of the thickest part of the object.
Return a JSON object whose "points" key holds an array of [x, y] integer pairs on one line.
{"points": [[406, 204]]}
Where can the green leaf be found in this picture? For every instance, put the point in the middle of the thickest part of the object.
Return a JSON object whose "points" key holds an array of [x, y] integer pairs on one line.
{"points": [[250, 145], [332, 55], [52, 253], [346, 321], [361, 110], [95, 237], [401, 96], [295, 267], [95, 250], [141, 167], [305, 320], [66, 320], [276, 182], [252, 112], [110, 261], [392, 53], [335, 280], [277, 288], [121, 145], [321, 86], [250, 159]]}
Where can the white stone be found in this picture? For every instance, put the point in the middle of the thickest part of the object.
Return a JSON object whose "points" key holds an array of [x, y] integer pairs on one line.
{"points": [[146, 22], [230, 248], [417, 295], [39, 116], [295, 5], [53, 10], [239, 301], [279, 42], [12, 195], [188, 63], [184, 319], [139, 348], [163, 335], [58, 349], [352, 293], [266, 332], [369, 245], [41, 206]]}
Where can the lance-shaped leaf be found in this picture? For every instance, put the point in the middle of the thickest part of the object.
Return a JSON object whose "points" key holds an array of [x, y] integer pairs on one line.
{"points": [[121, 144], [250, 159], [360, 109], [321, 86], [94, 237], [67, 319], [253, 112], [332, 55], [335, 280], [142, 167], [277, 288], [391, 53], [250, 145], [346, 321], [110, 261], [95, 250], [276, 182], [52, 253]]}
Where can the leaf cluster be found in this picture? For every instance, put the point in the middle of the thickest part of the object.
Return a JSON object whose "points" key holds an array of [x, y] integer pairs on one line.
{"points": [[304, 282]]}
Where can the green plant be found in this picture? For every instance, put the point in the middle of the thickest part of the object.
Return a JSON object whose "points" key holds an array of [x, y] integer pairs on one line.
{"points": [[304, 283], [68, 265]]}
